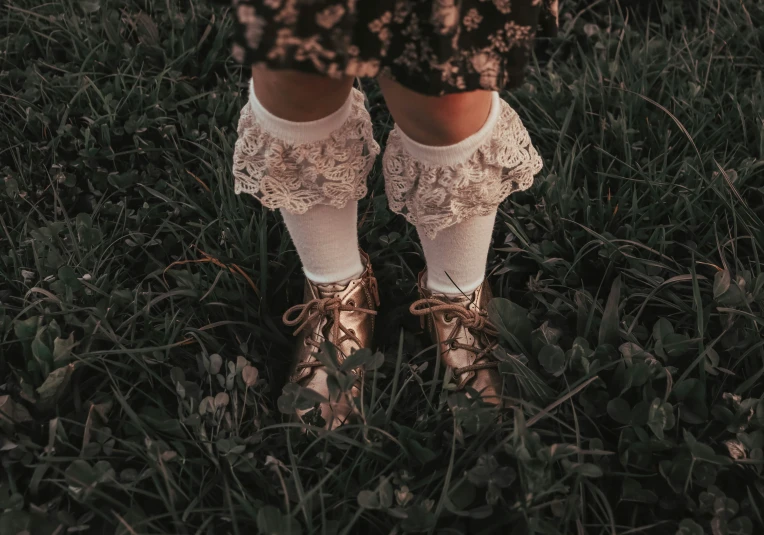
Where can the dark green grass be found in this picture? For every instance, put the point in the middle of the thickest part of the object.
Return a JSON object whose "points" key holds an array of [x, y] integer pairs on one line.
{"points": [[630, 279]]}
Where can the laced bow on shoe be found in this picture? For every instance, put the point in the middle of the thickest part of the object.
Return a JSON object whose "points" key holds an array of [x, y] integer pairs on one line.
{"points": [[473, 320], [329, 307]]}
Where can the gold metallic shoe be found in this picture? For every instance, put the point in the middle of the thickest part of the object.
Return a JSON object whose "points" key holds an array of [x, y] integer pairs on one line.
{"points": [[342, 315], [466, 337]]}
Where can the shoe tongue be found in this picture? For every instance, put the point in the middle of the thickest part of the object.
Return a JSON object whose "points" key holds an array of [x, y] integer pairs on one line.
{"points": [[466, 302], [456, 299], [330, 290], [463, 301]]}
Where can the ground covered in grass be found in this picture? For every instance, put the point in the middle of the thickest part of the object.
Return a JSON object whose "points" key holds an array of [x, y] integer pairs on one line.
{"points": [[141, 353]]}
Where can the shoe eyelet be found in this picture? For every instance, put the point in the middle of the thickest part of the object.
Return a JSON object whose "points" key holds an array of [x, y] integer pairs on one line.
{"points": [[352, 331], [447, 317], [351, 302]]}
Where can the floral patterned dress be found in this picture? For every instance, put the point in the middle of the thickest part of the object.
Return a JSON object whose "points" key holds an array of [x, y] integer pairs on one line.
{"points": [[433, 47]]}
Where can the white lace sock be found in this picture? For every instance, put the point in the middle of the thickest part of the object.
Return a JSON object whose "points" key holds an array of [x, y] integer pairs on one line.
{"points": [[326, 238], [457, 256], [298, 165], [436, 187], [314, 173], [451, 194]]}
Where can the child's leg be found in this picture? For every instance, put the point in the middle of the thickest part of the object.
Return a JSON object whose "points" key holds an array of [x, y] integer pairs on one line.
{"points": [[294, 153], [299, 97], [449, 163], [305, 148]]}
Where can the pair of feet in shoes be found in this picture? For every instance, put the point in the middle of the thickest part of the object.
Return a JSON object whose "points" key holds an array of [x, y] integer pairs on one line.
{"points": [[344, 316]]}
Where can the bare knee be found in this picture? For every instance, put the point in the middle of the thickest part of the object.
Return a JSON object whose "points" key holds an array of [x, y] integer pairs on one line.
{"points": [[297, 96], [436, 121]]}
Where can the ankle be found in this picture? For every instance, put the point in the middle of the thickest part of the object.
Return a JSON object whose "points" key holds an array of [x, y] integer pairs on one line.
{"points": [[444, 286], [339, 278]]}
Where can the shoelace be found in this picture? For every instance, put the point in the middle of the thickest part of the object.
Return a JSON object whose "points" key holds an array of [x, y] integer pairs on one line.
{"points": [[316, 308], [473, 320]]}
